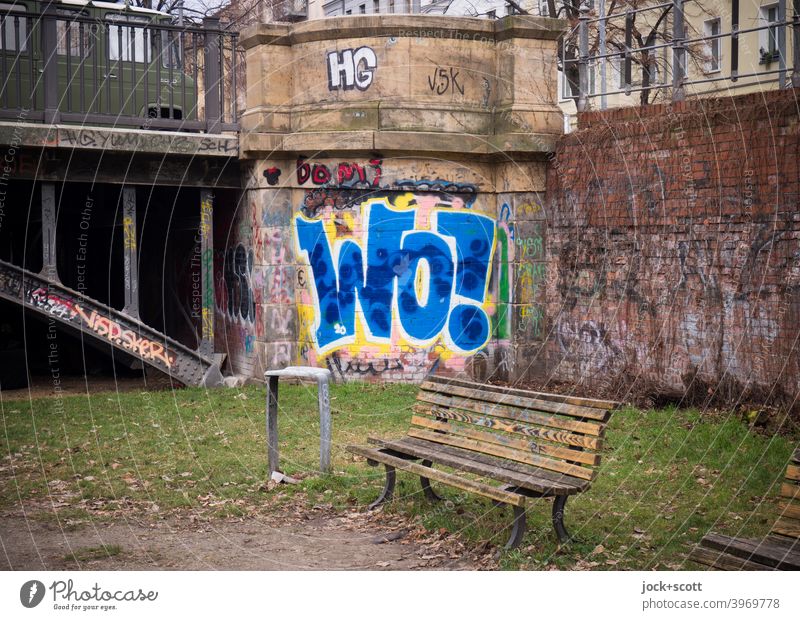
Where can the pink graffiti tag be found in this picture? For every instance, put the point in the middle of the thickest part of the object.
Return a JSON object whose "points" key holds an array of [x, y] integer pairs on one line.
{"points": [[114, 332]]}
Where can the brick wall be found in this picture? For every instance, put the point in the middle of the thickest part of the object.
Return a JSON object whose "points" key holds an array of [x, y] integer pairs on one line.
{"points": [[672, 251]]}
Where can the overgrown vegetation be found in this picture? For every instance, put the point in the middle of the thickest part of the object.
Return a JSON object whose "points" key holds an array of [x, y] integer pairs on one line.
{"points": [[669, 477]]}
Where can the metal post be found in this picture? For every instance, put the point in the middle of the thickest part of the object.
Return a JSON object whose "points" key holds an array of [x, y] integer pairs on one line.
{"points": [[213, 82], [207, 271], [323, 395], [796, 43], [129, 244], [272, 424], [49, 266], [735, 40], [628, 46], [50, 63], [601, 31], [583, 60], [678, 52], [782, 44]]}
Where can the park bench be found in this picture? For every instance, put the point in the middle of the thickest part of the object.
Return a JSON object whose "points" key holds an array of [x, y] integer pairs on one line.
{"points": [[780, 550], [540, 445]]}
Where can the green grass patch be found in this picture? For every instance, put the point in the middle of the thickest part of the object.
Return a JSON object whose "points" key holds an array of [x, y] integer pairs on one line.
{"points": [[668, 477], [87, 554]]}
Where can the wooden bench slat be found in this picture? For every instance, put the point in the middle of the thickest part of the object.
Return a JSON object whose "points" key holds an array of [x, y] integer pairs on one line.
{"points": [[792, 491], [564, 437], [427, 450], [587, 458], [793, 472], [787, 527], [507, 410], [760, 551], [522, 468], [790, 509], [723, 561], [501, 451], [592, 403], [515, 400], [464, 484]]}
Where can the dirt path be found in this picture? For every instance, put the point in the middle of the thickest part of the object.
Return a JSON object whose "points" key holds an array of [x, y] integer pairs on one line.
{"points": [[323, 541]]}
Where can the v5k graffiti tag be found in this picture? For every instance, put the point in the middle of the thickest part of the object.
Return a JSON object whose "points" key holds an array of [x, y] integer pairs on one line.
{"points": [[442, 80]]}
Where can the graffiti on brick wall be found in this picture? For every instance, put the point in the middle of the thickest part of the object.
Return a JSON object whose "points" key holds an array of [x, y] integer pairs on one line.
{"points": [[349, 69], [402, 270], [589, 345]]}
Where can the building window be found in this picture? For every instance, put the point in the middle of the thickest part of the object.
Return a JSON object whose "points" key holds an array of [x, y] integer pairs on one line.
{"points": [[348, 12], [376, 6], [769, 49], [15, 28], [566, 90], [712, 28], [77, 37], [362, 9], [391, 6], [618, 69], [544, 8]]}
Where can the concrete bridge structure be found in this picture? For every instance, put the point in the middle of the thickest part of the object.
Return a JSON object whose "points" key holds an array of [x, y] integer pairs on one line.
{"points": [[394, 170], [379, 212]]}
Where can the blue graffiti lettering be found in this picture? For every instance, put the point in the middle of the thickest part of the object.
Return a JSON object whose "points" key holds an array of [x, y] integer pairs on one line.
{"points": [[436, 281]]}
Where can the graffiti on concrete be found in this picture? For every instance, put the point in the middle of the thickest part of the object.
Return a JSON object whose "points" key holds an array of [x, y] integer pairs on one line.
{"points": [[344, 174], [443, 80], [419, 273], [351, 69], [505, 243], [238, 285], [320, 199], [436, 185], [272, 175]]}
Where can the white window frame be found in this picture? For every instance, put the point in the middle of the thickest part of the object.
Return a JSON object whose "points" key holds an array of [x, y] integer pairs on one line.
{"points": [[766, 36], [713, 46], [8, 13]]}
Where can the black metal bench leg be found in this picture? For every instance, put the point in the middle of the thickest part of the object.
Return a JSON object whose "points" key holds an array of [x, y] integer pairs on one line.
{"points": [[430, 494], [518, 532], [388, 489], [558, 519]]}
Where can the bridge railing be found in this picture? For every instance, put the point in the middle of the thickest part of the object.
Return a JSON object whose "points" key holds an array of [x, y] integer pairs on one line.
{"points": [[118, 69]]}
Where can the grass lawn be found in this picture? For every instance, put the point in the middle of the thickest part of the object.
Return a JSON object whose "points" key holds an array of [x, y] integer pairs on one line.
{"points": [[669, 475]]}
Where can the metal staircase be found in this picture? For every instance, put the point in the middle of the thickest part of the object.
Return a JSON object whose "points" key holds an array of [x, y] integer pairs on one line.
{"points": [[108, 326]]}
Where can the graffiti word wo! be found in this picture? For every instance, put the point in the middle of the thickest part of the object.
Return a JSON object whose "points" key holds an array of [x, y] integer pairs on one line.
{"points": [[433, 281], [351, 69]]}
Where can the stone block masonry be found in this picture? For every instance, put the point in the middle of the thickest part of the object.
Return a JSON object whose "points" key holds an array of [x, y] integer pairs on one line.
{"points": [[673, 251], [388, 163]]}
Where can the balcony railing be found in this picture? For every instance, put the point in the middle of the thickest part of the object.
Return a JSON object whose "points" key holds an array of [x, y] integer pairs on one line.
{"points": [[117, 69], [663, 60]]}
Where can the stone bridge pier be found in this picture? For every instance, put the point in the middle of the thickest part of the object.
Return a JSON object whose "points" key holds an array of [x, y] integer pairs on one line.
{"points": [[392, 221]]}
